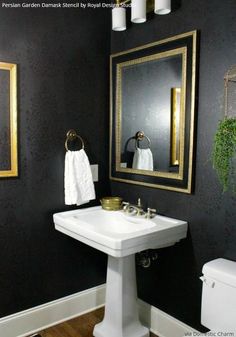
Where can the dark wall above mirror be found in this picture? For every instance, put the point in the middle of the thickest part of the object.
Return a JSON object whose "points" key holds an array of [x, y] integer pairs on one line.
{"points": [[153, 91]]}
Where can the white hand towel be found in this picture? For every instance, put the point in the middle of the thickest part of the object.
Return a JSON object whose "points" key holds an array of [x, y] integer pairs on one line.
{"points": [[143, 159], [79, 186]]}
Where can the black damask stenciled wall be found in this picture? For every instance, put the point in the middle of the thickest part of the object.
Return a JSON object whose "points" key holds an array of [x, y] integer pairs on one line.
{"points": [[63, 73], [62, 57], [173, 283]]}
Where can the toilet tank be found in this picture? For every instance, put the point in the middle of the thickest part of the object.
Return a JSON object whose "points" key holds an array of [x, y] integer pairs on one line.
{"points": [[218, 311]]}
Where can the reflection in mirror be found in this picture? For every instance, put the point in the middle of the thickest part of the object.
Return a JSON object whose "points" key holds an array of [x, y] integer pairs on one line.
{"points": [[153, 93], [8, 120], [175, 126], [146, 88]]}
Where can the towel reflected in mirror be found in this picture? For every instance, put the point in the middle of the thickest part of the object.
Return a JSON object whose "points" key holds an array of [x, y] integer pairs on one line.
{"points": [[143, 159]]}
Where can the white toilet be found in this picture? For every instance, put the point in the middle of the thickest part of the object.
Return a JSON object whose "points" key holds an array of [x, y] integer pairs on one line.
{"points": [[218, 311]]}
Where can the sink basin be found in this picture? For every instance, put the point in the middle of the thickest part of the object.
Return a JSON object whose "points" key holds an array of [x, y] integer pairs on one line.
{"points": [[120, 235], [117, 233]]}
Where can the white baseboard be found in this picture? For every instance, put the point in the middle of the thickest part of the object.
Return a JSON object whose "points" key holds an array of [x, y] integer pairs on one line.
{"points": [[27, 322], [38, 318], [162, 324]]}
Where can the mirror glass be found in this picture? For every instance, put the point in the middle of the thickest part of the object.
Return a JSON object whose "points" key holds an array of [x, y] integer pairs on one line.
{"points": [[152, 113], [153, 109]]}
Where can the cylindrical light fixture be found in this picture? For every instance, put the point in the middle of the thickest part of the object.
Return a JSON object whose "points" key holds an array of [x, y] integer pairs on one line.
{"points": [[138, 11], [162, 7], [118, 19]]}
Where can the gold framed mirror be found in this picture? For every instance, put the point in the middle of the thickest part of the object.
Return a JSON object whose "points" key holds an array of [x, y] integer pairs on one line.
{"points": [[152, 91], [8, 120]]}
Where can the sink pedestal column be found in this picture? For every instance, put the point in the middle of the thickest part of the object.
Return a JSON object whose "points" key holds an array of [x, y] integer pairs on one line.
{"points": [[121, 310]]}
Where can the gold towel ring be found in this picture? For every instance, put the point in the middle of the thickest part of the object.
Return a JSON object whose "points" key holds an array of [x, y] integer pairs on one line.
{"points": [[71, 135], [140, 136]]}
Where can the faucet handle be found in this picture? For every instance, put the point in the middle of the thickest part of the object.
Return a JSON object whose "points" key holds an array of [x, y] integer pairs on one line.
{"points": [[125, 205], [139, 203], [151, 213]]}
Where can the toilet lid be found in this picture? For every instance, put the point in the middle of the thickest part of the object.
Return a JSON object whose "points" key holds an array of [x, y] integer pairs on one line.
{"points": [[221, 270]]}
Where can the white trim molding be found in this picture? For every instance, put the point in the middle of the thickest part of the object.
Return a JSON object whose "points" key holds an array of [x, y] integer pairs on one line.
{"points": [[29, 321], [43, 316], [162, 324]]}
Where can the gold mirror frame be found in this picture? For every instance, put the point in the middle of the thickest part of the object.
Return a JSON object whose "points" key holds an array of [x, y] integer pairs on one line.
{"points": [[182, 156], [13, 169]]}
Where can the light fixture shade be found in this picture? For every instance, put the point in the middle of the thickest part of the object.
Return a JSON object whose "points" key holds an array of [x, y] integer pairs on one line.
{"points": [[138, 11], [162, 7], [118, 19]]}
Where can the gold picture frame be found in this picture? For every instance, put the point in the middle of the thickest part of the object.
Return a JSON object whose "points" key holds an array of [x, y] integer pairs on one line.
{"points": [[10, 114]]}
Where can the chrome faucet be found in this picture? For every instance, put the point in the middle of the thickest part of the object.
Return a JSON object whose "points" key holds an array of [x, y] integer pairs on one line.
{"points": [[138, 209], [131, 208]]}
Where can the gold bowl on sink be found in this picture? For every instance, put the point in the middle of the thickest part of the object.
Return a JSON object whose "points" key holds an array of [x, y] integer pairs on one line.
{"points": [[111, 203]]}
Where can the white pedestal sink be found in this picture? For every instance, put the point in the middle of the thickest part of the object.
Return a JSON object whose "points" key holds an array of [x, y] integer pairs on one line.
{"points": [[120, 236]]}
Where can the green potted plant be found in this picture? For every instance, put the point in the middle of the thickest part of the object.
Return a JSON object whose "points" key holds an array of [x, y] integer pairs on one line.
{"points": [[224, 152]]}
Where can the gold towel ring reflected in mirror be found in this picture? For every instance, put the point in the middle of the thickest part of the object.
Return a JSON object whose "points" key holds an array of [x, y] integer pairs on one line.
{"points": [[72, 135], [140, 136]]}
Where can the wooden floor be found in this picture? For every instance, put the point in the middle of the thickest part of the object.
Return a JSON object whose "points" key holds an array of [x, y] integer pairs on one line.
{"points": [[81, 326]]}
